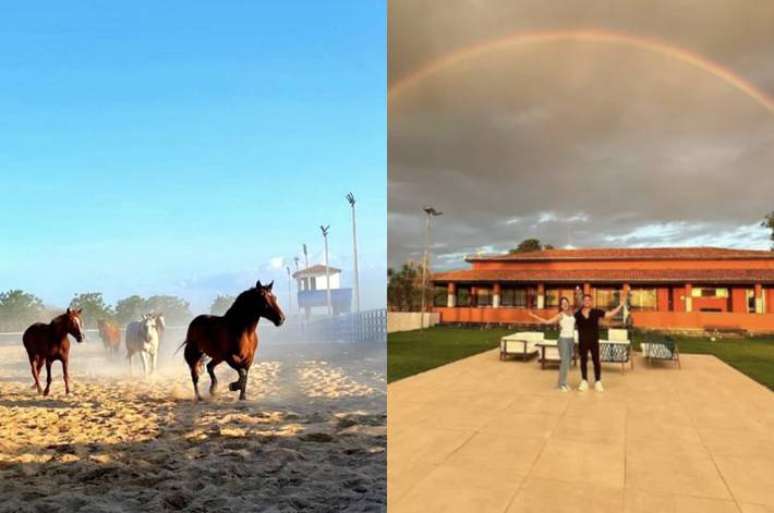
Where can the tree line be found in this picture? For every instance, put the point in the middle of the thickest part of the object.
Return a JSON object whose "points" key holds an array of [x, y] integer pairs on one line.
{"points": [[19, 309]]}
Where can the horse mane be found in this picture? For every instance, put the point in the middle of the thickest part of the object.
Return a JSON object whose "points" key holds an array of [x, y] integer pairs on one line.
{"points": [[244, 311], [57, 325]]}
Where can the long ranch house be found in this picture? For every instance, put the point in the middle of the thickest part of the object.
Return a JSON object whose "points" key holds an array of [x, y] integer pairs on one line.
{"points": [[699, 288]]}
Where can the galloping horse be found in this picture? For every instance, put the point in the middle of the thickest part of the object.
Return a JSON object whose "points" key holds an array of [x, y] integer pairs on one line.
{"points": [[231, 338], [143, 337], [49, 342], [110, 335]]}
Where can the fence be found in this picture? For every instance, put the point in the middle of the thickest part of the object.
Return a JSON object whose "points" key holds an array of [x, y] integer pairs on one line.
{"points": [[365, 327], [369, 326]]}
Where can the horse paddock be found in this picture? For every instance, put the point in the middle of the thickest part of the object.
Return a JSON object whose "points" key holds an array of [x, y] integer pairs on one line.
{"points": [[311, 435], [484, 435]]}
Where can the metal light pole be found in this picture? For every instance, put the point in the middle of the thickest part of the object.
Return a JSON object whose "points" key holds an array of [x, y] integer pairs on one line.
{"points": [[290, 291], [431, 212], [324, 230], [351, 200], [306, 258]]}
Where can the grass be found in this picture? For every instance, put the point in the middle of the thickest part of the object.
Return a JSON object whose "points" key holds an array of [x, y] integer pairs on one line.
{"points": [[412, 352]]}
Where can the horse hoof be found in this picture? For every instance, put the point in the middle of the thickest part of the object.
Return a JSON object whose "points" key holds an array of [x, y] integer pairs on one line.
{"points": [[234, 386], [45, 392]]}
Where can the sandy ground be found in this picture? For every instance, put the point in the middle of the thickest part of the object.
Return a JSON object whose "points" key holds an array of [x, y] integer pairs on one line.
{"points": [[311, 436]]}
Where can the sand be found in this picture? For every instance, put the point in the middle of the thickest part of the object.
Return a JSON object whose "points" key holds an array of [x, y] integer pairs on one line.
{"points": [[311, 436]]}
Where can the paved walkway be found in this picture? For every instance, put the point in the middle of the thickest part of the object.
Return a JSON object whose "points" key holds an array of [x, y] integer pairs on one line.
{"points": [[481, 435]]}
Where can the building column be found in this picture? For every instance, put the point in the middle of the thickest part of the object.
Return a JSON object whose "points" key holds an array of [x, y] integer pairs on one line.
{"points": [[688, 297], [451, 295], [496, 289], [541, 296], [758, 298], [625, 289]]}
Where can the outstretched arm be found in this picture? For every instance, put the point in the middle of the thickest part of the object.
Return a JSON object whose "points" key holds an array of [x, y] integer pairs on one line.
{"points": [[614, 311], [552, 320]]}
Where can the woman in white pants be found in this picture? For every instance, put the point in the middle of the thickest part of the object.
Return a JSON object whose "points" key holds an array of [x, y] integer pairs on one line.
{"points": [[566, 320]]}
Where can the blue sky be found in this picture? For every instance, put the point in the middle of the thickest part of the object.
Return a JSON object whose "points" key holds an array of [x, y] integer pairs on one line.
{"points": [[188, 147]]}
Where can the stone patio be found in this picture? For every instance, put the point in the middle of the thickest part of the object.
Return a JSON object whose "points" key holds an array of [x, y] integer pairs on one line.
{"points": [[481, 435]]}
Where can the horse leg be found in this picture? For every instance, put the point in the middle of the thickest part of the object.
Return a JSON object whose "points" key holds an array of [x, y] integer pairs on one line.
{"points": [[66, 375], [213, 379], [48, 377], [193, 358], [145, 362], [36, 363], [240, 384], [243, 384]]}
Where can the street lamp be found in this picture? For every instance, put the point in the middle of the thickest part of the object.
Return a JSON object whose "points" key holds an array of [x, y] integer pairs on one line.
{"points": [[290, 292], [351, 200], [324, 230], [306, 257], [431, 212]]}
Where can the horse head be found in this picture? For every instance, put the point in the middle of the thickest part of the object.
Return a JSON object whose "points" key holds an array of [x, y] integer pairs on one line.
{"points": [[73, 324], [161, 324], [270, 309], [148, 327]]}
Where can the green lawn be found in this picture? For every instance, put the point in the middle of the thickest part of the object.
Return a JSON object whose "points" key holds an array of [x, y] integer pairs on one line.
{"points": [[411, 352]]}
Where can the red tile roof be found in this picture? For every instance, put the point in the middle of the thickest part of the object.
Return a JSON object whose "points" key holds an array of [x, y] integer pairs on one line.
{"points": [[740, 276], [703, 253]]}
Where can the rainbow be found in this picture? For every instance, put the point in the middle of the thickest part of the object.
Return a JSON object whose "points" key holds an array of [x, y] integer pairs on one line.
{"points": [[587, 36]]}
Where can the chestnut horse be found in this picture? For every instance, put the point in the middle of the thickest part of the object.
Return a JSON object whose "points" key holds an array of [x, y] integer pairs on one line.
{"points": [[231, 338], [110, 335], [49, 342]]}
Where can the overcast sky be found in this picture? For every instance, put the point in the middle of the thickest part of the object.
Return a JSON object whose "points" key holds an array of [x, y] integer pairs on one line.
{"points": [[579, 143]]}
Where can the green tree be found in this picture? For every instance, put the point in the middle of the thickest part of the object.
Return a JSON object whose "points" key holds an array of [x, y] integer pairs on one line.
{"points": [[19, 309], [404, 288], [130, 309], [768, 222], [528, 245], [94, 308], [221, 304], [176, 310]]}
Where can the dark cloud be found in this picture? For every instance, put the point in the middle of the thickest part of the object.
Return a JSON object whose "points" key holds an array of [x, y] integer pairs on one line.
{"points": [[574, 142]]}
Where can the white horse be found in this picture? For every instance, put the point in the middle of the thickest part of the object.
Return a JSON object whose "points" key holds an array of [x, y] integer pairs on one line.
{"points": [[143, 337]]}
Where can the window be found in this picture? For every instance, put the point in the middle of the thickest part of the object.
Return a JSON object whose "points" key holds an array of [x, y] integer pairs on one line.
{"points": [[484, 296], [463, 296], [607, 298], [643, 299], [709, 292], [552, 298], [531, 298], [750, 293], [440, 296], [513, 297]]}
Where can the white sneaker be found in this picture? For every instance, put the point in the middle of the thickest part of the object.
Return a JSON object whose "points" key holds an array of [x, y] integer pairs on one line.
{"points": [[584, 385], [564, 388], [598, 386]]}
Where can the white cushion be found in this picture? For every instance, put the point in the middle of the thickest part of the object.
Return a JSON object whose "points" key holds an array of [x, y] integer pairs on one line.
{"points": [[517, 346], [617, 335], [552, 353]]}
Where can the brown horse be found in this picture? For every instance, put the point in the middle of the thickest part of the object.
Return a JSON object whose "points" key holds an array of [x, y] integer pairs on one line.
{"points": [[48, 343], [110, 335], [231, 338]]}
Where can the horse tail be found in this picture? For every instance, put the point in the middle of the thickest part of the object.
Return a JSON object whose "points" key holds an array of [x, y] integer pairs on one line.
{"points": [[185, 342]]}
